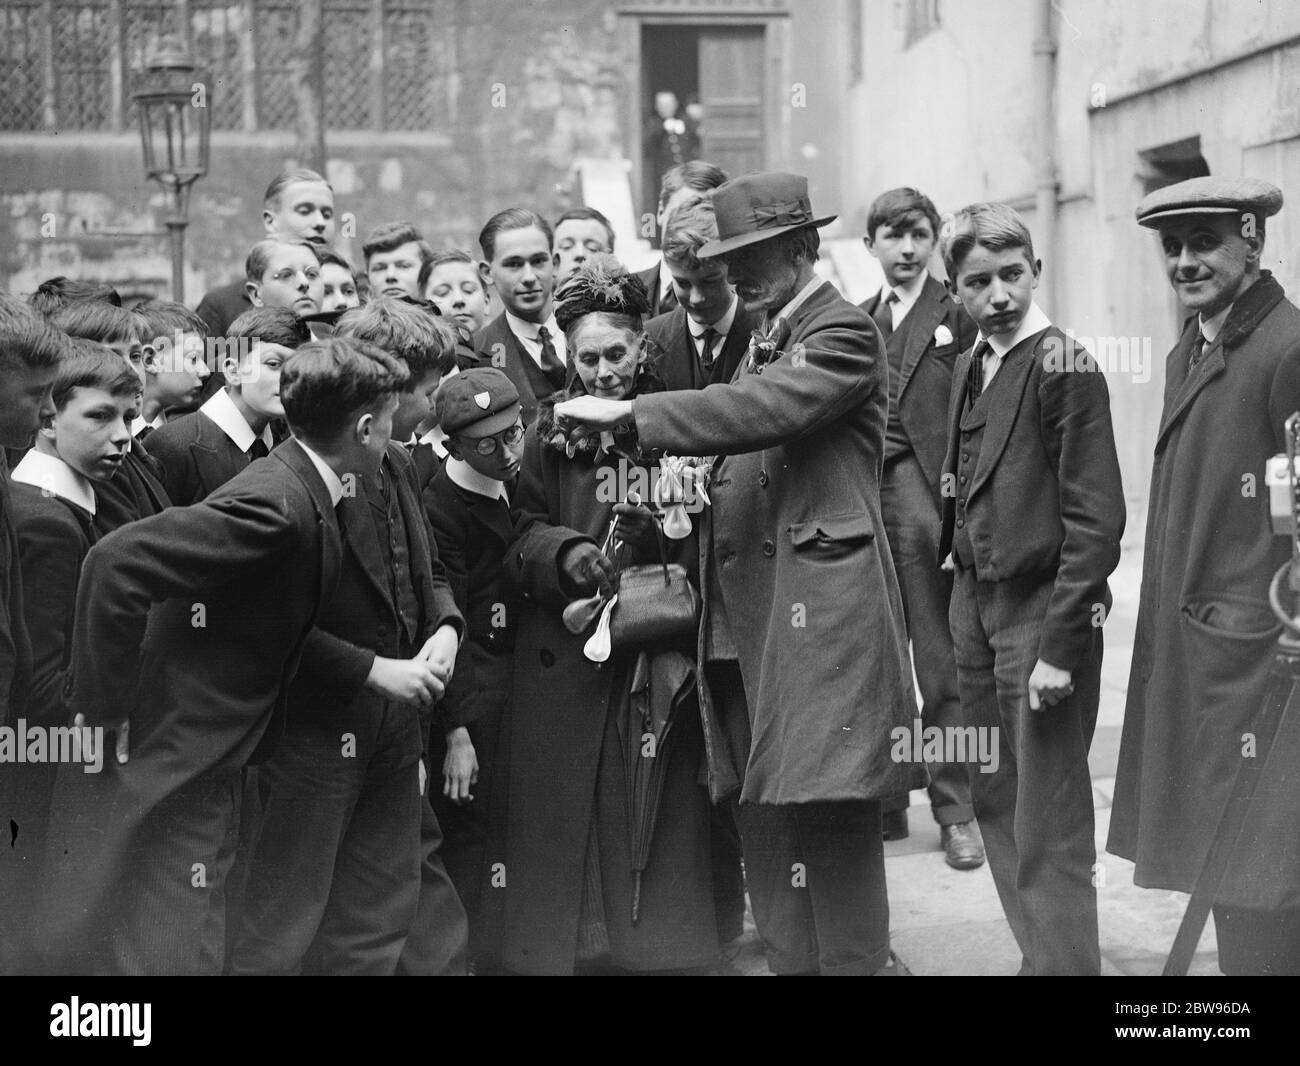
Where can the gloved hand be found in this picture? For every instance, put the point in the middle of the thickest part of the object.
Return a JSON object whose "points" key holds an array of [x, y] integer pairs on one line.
{"points": [[584, 570], [637, 529]]}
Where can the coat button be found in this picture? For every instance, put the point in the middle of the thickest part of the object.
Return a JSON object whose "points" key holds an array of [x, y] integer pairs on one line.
{"points": [[965, 457], [762, 479], [961, 501], [963, 479], [769, 549], [961, 522]]}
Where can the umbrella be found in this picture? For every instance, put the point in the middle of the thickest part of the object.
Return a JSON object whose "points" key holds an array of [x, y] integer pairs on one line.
{"points": [[646, 729]]}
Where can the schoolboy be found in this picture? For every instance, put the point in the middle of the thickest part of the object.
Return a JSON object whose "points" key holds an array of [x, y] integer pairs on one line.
{"points": [[281, 273], [452, 283], [335, 873], [339, 284], [925, 329], [682, 184], [189, 627], [203, 450], [523, 341], [139, 491], [580, 232], [1033, 511], [468, 504], [703, 339], [83, 440], [175, 364], [394, 254]]}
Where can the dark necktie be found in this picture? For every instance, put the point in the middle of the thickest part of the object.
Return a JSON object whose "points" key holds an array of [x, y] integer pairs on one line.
{"points": [[551, 365], [976, 377], [144, 432], [710, 340], [259, 450], [1198, 350], [884, 316]]}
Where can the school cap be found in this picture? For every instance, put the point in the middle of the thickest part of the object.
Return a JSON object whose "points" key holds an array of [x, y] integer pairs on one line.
{"points": [[476, 402], [1210, 196]]}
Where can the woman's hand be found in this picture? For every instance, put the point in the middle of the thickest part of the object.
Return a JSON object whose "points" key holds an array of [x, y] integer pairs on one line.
{"points": [[637, 526], [585, 570]]}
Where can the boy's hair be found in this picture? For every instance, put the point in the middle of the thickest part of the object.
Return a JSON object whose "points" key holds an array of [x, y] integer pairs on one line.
{"points": [[26, 338], [54, 293], [453, 255], [697, 174], [898, 207], [686, 230], [259, 256], [96, 369], [584, 214], [329, 255], [327, 384], [162, 318], [290, 177], [400, 328], [273, 325], [390, 235], [512, 218], [96, 320], [994, 226]]}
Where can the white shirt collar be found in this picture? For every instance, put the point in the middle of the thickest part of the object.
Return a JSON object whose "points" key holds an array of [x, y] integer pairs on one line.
{"points": [[1035, 321], [907, 294], [464, 475], [331, 479], [722, 326], [138, 424], [436, 439], [1212, 327], [51, 474], [222, 410], [527, 331], [799, 298]]}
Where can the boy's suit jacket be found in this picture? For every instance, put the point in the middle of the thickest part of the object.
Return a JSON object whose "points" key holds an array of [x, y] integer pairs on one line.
{"points": [[678, 360], [191, 625], [196, 456], [795, 536], [1045, 498], [360, 614], [15, 647], [222, 305], [473, 533], [496, 345], [926, 385], [54, 536], [136, 491]]}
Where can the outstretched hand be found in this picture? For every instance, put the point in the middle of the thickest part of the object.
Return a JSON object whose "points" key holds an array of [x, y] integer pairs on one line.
{"points": [[592, 413]]}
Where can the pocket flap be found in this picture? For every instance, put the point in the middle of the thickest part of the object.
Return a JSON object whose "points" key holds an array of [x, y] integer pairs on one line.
{"points": [[837, 527]]}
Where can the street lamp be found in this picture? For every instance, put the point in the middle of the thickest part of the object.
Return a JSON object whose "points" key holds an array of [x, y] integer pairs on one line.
{"points": [[175, 117]]}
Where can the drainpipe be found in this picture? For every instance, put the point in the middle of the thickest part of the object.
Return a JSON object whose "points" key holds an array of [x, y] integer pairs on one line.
{"points": [[1045, 184]]}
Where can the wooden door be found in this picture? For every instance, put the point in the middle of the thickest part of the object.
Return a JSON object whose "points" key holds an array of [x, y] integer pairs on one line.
{"points": [[731, 89]]}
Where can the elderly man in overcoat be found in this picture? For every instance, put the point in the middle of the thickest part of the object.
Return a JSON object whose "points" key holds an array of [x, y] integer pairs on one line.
{"points": [[804, 650], [1205, 633]]}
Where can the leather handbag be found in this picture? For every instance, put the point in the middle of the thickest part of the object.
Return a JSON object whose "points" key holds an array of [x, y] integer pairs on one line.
{"points": [[657, 605]]}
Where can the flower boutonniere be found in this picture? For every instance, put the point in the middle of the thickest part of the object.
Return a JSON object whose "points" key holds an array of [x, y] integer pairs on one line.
{"points": [[764, 347]]}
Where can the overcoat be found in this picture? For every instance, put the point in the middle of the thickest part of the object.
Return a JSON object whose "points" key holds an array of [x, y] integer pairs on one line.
{"points": [[566, 771], [1205, 633], [253, 563], [796, 534]]}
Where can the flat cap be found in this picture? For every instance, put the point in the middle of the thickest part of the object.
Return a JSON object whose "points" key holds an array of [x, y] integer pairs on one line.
{"points": [[1210, 196]]}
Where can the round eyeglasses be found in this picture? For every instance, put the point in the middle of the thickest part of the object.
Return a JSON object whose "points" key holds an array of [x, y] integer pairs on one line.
{"points": [[488, 445]]}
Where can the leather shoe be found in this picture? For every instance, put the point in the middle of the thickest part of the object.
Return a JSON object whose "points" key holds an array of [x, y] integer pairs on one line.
{"points": [[962, 845], [893, 825]]}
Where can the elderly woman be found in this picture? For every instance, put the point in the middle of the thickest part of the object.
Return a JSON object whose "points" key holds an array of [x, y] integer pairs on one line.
{"points": [[570, 889]]}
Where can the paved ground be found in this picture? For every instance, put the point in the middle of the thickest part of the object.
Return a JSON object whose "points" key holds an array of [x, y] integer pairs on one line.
{"points": [[946, 922]]}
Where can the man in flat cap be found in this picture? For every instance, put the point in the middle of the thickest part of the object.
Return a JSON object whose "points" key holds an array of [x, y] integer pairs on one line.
{"points": [[1205, 632], [804, 653]]}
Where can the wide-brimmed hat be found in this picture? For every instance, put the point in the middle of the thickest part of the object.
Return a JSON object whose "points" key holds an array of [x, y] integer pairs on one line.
{"points": [[757, 207]]}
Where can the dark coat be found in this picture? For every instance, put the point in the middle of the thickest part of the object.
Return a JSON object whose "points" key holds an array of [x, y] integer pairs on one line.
{"points": [[926, 384], [197, 456], [222, 305], [1205, 634], [135, 492], [796, 533], [15, 646], [497, 346], [1046, 497], [254, 563], [566, 770], [677, 359]]}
